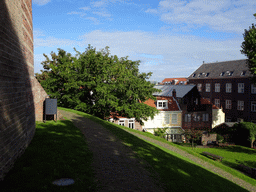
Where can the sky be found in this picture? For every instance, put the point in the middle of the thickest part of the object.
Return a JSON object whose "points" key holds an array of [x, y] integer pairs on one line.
{"points": [[171, 38]]}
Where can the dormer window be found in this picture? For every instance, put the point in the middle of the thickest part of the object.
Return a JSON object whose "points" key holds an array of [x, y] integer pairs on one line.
{"points": [[200, 74], [162, 104], [222, 73], [230, 73], [243, 73], [194, 75], [207, 74]]}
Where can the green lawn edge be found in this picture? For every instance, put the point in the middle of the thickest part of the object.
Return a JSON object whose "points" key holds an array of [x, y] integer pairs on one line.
{"points": [[190, 151]]}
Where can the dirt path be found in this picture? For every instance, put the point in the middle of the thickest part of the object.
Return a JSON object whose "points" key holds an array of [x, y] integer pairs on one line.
{"points": [[115, 165]]}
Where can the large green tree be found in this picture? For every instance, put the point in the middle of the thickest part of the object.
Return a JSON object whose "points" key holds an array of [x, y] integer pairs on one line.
{"points": [[97, 83], [249, 49]]}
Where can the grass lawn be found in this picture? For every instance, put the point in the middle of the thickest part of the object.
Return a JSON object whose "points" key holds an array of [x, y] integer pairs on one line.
{"points": [[232, 157], [58, 150], [177, 172]]}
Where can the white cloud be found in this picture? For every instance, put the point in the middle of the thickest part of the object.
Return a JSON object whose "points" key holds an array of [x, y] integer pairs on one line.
{"points": [[38, 33], [95, 20], [226, 16], [99, 3], [181, 54], [85, 8], [102, 14], [52, 42], [41, 2], [153, 11], [77, 13]]}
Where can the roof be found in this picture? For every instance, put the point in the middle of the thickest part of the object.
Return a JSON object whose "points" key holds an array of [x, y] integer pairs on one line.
{"points": [[206, 101], [171, 107], [225, 69], [181, 90], [178, 80]]}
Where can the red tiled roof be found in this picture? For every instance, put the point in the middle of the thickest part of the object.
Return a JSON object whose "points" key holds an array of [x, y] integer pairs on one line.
{"points": [[171, 107], [171, 79], [206, 101]]}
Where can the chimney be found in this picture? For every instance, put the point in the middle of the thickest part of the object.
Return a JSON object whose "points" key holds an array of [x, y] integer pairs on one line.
{"points": [[203, 62], [174, 93]]}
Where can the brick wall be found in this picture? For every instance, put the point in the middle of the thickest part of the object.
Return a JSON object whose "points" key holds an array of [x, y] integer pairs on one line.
{"points": [[39, 96], [17, 117]]}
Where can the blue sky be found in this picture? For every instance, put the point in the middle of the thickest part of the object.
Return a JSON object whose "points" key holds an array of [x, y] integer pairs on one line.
{"points": [[171, 38]]}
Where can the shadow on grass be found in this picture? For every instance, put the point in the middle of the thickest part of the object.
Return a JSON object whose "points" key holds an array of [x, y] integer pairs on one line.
{"points": [[58, 150], [177, 173], [239, 149]]}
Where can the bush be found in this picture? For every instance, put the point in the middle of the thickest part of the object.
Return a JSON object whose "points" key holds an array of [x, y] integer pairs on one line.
{"points": [[160, 132], [220, 138]]}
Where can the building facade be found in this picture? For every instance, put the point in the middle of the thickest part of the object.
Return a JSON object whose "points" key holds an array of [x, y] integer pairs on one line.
{"points": [[169, 117], [227, 85]]}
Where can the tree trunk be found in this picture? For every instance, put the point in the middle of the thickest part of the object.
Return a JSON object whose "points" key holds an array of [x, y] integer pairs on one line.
{"points": [[252, 141]]}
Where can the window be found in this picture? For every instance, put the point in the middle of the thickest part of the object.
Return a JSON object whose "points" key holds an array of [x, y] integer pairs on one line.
{"points": [[167, 119], [205, 117], [187, 117], [228, 104], [228, 87], [196, 101], [253, 106], [196, 117], [194, 75], [221, 74], [162, 104], [240, 105], [217, 102], [200, 74], [230, 73], [253, 88], [240, 87], [243, 73], [228, 119], [199, 87], [217, 87], [121, 122], [207, 87], [131, 124], [174, 118], [207, 74]]}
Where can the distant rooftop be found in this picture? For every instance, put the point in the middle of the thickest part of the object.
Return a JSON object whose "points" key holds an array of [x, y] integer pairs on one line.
{"points": [[181, 90], [225, 69]]}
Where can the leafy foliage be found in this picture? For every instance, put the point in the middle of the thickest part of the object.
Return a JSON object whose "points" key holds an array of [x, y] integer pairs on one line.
{"points": [[98, 84], [160, 132], [245, 132], [193, 134], [249, 49]]}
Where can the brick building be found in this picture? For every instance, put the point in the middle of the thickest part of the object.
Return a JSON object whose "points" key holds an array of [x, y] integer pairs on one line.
{"points": [[227, 85], [21, 96]]}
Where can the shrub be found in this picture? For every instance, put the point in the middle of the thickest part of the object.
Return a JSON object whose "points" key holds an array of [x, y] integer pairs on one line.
{"points": [[160, 132]]}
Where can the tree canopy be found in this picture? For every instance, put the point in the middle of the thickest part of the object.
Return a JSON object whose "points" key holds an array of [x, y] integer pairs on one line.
{"points": [[98, 84], [249, 49]]}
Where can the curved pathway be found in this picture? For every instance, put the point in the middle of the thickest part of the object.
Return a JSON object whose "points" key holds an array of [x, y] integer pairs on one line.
{"points": [[115, 165]]}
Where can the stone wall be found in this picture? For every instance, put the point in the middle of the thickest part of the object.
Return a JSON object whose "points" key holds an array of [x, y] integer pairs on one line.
{"points": [[208, 137]]}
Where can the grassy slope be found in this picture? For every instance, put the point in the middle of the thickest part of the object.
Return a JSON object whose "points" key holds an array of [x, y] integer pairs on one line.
{"points": [[58, 150], [172, 167]]}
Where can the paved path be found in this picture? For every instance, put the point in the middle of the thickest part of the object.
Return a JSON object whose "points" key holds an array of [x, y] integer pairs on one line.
{"points": [[115, 165], [120, 157]]}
